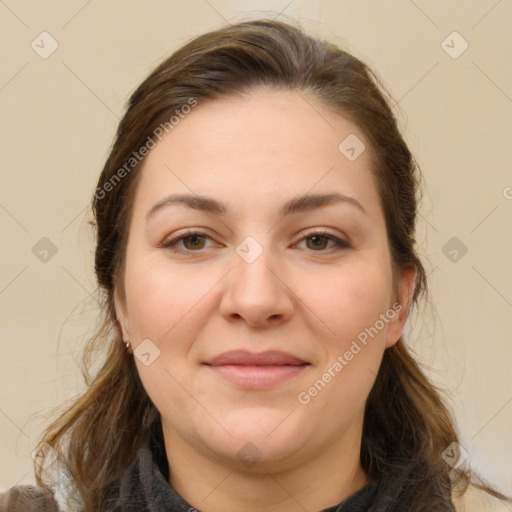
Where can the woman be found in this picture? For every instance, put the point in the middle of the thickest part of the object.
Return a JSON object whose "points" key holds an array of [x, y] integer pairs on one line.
{"points": [[255, 245]]}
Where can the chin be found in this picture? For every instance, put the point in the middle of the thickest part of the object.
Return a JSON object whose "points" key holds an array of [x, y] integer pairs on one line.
{"points": [[259, 456], [259, 422], [258, 437]]}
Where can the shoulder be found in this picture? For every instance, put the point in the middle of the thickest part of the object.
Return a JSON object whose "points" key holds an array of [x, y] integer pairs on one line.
{"points": [[476, 500], [28, 498]]}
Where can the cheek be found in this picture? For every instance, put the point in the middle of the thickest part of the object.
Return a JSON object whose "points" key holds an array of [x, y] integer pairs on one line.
{"points": [[351, 359], [349, 299], [168, 306], [160, 297], [350, 304]]}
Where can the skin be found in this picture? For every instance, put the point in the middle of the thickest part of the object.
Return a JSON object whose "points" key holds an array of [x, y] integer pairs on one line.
{"points": [[304, 296]]}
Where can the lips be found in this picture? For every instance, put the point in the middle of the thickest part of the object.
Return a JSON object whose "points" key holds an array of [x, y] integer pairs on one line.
{"points": [[268, 358], [256, 371]]}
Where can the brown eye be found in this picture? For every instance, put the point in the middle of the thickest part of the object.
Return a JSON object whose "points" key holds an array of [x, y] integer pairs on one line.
{"points": [[318, 242], [194, 242]]}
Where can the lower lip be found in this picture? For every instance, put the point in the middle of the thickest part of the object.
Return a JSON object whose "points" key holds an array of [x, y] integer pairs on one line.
{"points": [[257, 377]]}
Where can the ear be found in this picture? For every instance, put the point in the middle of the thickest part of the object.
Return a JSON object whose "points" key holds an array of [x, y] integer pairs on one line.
{"points": [[401, 304], [122, 316]]}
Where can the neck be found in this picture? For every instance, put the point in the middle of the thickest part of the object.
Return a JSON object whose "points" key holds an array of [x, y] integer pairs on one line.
{"points": [[212, 485]]}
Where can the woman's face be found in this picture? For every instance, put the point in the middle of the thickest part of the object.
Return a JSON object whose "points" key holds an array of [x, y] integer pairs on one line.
{"points": [[258, 324]]}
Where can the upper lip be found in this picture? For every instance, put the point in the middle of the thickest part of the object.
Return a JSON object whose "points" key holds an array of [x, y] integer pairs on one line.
{"points": [[267, 358]]}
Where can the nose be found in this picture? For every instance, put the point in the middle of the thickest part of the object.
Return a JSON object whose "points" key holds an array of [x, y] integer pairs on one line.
{"points": [[257, 292]]}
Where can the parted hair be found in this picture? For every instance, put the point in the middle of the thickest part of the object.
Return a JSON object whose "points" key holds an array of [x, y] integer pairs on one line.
{"points": [[406, 420]]}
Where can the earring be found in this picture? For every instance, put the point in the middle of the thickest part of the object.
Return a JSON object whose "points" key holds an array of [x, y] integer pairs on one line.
{"points": [[127, 344]]}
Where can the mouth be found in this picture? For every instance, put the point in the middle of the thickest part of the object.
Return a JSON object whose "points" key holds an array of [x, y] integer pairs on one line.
{"points": [[253, 371]]}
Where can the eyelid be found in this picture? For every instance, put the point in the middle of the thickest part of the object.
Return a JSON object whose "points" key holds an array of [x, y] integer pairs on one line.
{"points": [[324, 232], [173, 241], [176, 238]]}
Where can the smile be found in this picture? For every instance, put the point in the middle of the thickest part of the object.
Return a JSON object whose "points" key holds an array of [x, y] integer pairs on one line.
{"points": [[258, 376], [253, 371]]}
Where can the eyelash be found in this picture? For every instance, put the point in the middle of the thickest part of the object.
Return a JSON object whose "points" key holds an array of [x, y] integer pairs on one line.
{"points": [[172, 243]]}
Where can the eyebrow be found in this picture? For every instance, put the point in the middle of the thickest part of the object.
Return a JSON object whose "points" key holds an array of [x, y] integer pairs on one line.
{"points": [[299, 204]]}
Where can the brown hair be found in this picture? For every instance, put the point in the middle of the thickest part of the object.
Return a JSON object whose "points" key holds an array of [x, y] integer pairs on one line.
{"points": [[97, 435]]}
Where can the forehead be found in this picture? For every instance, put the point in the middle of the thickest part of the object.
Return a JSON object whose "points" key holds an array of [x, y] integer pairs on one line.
{"points": [[270, 144]]}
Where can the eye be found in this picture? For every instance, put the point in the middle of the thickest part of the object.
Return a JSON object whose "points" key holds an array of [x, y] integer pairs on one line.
{"points": [[192, 241], [318, 241]]}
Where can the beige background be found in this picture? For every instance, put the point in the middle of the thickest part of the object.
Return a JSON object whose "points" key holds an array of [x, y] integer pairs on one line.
{"points": [[58, 119]]}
